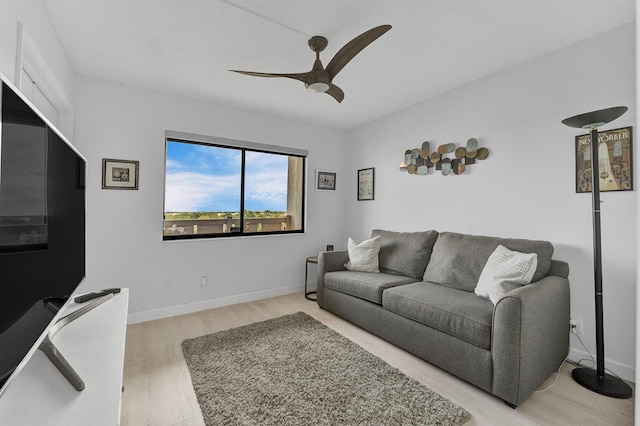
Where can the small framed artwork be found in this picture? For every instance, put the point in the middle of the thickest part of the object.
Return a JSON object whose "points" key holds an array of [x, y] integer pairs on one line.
{"points": [[615, 160], [325, 180], [119, 174], [365, 184]]}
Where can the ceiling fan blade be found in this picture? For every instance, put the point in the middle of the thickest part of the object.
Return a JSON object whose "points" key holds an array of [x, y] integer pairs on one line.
{"points": [[303, 76], [354, 47], [336, 92]]}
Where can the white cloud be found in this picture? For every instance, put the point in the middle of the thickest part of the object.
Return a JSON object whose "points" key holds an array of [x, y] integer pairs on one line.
{"points": [[266, 180], [191, 192], [268, 186], [209, 180]]}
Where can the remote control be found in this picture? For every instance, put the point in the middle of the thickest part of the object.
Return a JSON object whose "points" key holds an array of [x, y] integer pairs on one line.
{"points": [[91, 296]]}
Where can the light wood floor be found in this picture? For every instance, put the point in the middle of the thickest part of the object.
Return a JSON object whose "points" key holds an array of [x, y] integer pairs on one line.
{"points": [[158, 387]]}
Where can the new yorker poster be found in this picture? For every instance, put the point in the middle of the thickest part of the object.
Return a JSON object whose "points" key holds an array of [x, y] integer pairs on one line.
{"points": [[615, 160]]}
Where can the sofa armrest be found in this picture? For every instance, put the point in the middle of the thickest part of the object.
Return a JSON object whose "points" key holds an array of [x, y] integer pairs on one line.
{"points": [[558, 268], [530, 337], [329, 261]]}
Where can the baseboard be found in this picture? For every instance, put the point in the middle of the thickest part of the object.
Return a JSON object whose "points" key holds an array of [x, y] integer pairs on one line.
{"points": [[187, 308], [627, 372]]}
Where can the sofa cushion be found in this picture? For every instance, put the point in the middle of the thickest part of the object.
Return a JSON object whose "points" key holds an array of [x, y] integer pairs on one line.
{"points": [[456, 312], [458, 259], [504, 271], [363, 255], [405, 253], [365, 285]]}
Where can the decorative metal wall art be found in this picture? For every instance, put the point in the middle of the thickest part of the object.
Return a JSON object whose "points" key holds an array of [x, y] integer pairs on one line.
{"points": [[418, 161]]}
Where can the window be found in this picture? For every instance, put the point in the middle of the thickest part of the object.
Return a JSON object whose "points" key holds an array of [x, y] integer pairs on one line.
{"points": [[218, 187]]}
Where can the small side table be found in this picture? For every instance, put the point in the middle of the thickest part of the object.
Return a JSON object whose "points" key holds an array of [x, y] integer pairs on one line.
{"points": [[311, 259]]}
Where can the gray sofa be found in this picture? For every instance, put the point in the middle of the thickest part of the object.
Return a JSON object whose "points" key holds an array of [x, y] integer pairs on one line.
{"points": [[423, 301]]}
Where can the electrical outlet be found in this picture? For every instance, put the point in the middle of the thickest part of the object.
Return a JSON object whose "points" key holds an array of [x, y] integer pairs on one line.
{"points": [[203, 282], [576, 324]]}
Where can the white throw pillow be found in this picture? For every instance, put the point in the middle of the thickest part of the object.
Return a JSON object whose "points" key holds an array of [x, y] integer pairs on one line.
{"points": [[363, 255], [505, 270]]}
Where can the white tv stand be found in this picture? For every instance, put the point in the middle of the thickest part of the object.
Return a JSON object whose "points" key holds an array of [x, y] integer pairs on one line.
{"points": [[94, 345]]}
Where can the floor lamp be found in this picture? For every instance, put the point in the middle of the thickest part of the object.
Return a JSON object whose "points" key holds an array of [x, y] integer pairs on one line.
{"points": [[598, 380]]}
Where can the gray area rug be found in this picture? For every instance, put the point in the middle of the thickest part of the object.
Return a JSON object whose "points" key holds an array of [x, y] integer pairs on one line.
{"points": [[293, 370]]}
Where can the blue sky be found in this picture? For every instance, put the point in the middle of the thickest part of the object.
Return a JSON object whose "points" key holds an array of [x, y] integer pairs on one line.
{"points": [[203, 178]]}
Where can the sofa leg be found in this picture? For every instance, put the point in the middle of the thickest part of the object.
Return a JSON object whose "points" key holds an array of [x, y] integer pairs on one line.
{"points": [[510, 405]]}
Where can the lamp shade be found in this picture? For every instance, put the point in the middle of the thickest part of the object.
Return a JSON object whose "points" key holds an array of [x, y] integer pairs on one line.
{"points": [[595, 119]]}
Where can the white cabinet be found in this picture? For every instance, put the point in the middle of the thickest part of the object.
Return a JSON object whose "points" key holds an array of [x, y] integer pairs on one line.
{"points": [[94, 346]]}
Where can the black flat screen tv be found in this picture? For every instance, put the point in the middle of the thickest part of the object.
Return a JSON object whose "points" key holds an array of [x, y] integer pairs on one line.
{"points": [[42, 228]]}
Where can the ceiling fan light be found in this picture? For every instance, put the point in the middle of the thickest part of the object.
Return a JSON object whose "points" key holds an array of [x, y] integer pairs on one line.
{"points": [[318, 87]]}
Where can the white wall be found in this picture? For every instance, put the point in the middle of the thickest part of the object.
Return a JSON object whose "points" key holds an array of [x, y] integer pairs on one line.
{"points": [[526, 187], [124, 228], [36, 21]]}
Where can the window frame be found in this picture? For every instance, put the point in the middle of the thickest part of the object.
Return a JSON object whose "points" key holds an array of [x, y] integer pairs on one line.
{"points": [[243, 147]]}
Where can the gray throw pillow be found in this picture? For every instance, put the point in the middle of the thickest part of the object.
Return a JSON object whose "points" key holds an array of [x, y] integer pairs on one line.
{"points": [[458, 259], [405, 253]]}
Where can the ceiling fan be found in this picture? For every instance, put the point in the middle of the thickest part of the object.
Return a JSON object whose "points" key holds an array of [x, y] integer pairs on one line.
{"points": [[319, 79]]}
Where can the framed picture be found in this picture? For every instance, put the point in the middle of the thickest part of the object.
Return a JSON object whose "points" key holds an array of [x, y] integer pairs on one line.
{"points": [[365, 184], [325, 180], [119, 174], [615, 158]]}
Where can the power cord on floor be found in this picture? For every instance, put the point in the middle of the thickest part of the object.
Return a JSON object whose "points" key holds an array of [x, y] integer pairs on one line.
{"points": [[577, 364], [555, 381], [593, 361], [574, 331]]}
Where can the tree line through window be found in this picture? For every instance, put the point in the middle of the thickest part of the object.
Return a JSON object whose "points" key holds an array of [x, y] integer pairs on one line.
{"points": [[222, 188]]}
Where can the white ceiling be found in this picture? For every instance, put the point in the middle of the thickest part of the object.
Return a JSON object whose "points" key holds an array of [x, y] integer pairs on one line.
{"points": [[186, 47]]}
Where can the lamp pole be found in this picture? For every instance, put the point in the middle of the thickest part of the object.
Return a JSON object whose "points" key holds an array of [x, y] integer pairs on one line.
{"points": [[597, 251], [598, 380]]}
